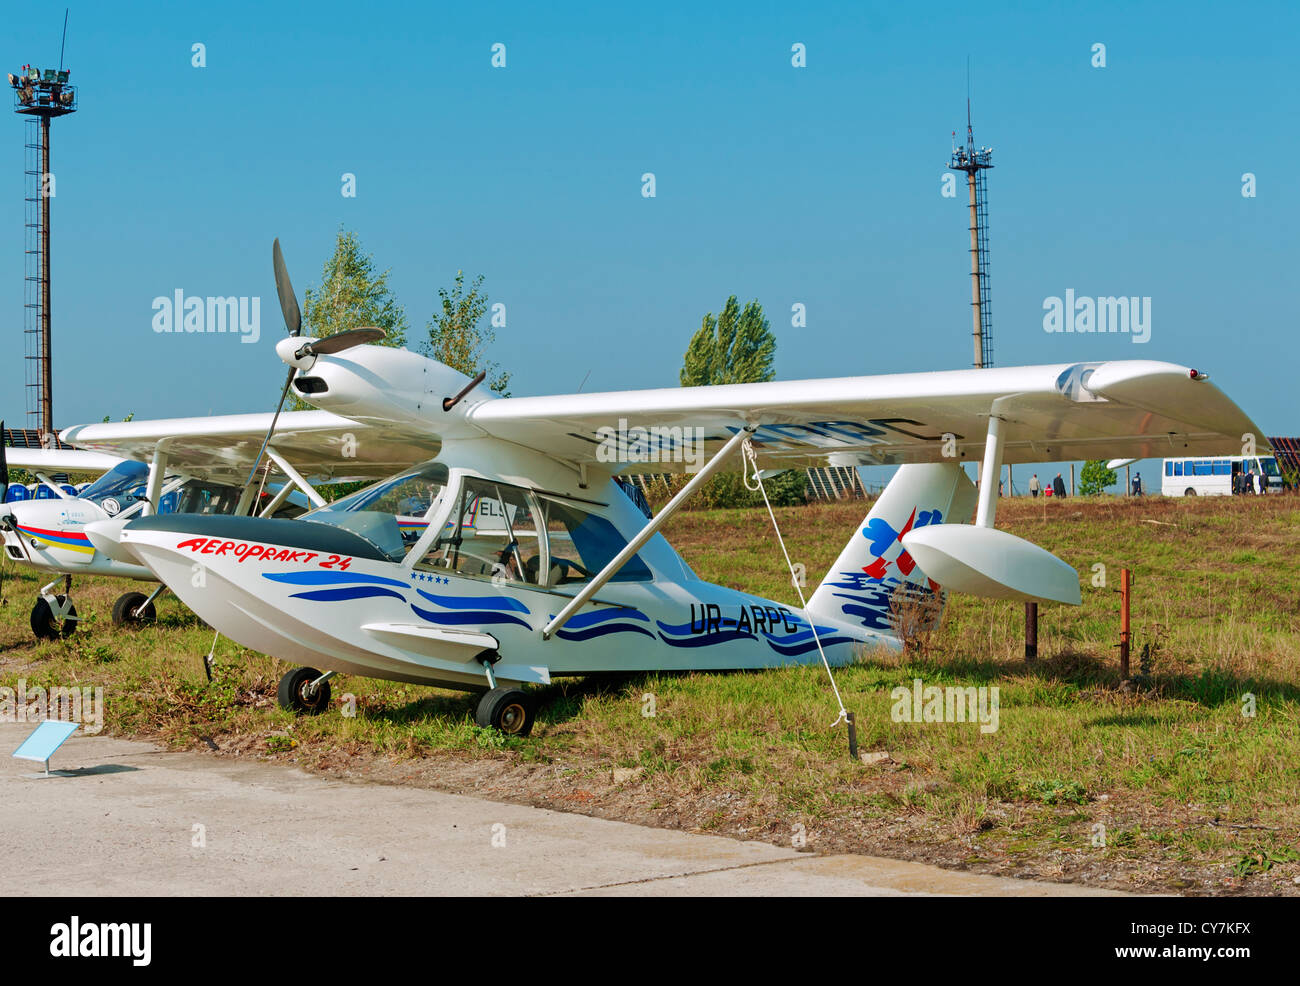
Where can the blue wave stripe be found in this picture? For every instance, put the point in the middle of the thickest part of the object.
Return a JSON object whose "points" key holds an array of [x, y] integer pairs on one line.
{"points": [[599, 631], [797, 649], [475, 602], [347, 592], [705, 639], [583, 620], [330, 578], [873, 619], [478, 618]]}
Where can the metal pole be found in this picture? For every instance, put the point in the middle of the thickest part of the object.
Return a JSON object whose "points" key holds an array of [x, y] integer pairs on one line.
{"points": [[1071, 479], [1031, 632], [46, 346], [975, 269], [1124, 593]]}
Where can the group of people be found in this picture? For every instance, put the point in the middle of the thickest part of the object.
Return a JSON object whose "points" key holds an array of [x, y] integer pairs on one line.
{"points": [[1056, 489], [1248, 482]]}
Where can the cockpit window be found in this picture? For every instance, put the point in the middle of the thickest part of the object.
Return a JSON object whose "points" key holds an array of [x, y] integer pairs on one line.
{"points": [[583, 543], [204, 498]]}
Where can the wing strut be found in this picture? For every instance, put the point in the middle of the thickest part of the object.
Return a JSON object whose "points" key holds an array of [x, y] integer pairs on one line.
{"points": [[296, 477], [647, 532], [991, 471]]}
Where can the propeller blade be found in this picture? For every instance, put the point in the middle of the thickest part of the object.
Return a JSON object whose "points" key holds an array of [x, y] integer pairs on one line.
{"points": [[288, 300], [284, 392], [341, 341]]}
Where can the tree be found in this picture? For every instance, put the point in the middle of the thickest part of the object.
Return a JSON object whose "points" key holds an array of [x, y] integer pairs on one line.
{"points": [[735, 347], [1095, 477], [352, 295], [455, 337]]}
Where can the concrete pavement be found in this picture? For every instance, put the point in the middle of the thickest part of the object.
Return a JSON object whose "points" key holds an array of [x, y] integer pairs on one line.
{"points": [[133, 819]]}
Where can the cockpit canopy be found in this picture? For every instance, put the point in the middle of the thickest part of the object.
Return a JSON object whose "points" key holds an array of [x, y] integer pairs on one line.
{"points": [[118, 485], [392, 513], [493, 530]]}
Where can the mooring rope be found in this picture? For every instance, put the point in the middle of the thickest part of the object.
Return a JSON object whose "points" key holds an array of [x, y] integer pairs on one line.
{"points": [[751, 461]]}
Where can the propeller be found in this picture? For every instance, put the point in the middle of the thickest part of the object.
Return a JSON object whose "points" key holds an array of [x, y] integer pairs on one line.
{"points": [[337, 343], [288, 300], [341, 341]]}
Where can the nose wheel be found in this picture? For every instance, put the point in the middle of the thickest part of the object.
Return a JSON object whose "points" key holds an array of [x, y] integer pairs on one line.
{"points": [[508, 710], [134, 609], [304, 691]]}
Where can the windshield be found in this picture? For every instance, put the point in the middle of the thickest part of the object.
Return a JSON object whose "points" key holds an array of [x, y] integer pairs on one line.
{"points": [[391, 513], [411, 494], [1269, 466], [118, 483]]}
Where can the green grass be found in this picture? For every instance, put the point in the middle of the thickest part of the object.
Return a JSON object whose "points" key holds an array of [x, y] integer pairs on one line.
{"points": [[1190, 792]]}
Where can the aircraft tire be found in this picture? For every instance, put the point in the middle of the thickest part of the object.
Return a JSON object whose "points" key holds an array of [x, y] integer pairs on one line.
{"points": [[124, 610], [507, 710], [43, 624], [293, 697]]}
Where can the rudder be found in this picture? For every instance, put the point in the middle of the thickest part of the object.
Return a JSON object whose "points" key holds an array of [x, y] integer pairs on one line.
{"points": [[861, 585]]}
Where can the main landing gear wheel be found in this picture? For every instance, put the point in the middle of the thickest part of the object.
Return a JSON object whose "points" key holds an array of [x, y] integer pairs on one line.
{"points": [[509, 710], [127, 611], [45, 626], [297, 696]]}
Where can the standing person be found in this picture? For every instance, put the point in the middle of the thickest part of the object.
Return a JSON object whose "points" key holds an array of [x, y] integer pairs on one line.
{"points": [[1034, 486], [1137, 484], [1250, 481], [1058, 486]]}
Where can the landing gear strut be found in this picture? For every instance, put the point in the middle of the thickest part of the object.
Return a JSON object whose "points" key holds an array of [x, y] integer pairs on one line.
{"points": [[305, 691], [54, 616], [508, 710]]}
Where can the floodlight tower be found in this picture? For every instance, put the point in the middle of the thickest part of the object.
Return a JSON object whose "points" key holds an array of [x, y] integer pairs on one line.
{"points": [[40, 97], [974, 162]]}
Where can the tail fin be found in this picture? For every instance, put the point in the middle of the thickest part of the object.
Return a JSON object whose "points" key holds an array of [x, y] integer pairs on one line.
{"points": [[873, 565]]}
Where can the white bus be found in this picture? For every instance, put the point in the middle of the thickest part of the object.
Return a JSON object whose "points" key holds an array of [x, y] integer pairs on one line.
{"points": [[1211, 475]]}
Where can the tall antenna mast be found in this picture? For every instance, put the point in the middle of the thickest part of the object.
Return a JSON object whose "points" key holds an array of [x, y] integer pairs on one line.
{"points": [[974, 162], [64, 43], [40, 96]]}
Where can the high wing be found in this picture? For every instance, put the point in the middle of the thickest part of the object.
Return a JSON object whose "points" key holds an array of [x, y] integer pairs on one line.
{"points": [[60, 460], [1103, 410], [322, 446]]}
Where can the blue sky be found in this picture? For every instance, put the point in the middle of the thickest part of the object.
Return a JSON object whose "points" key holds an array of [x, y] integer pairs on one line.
{"points": [[818, 185]]}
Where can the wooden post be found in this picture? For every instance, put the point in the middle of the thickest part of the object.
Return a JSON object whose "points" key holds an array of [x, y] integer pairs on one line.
{"points": [[1128, 486], [1124, 593], [1031, 632]]}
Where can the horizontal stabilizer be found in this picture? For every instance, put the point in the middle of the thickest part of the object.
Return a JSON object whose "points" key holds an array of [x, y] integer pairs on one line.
{"points": [[984, 561]]}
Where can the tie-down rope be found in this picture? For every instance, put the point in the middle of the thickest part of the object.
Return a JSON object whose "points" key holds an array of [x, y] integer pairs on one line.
{"points": [[751, 462]]}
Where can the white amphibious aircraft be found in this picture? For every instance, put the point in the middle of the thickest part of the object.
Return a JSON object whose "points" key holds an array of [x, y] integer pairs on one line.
{"points": [[513, 556]]}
